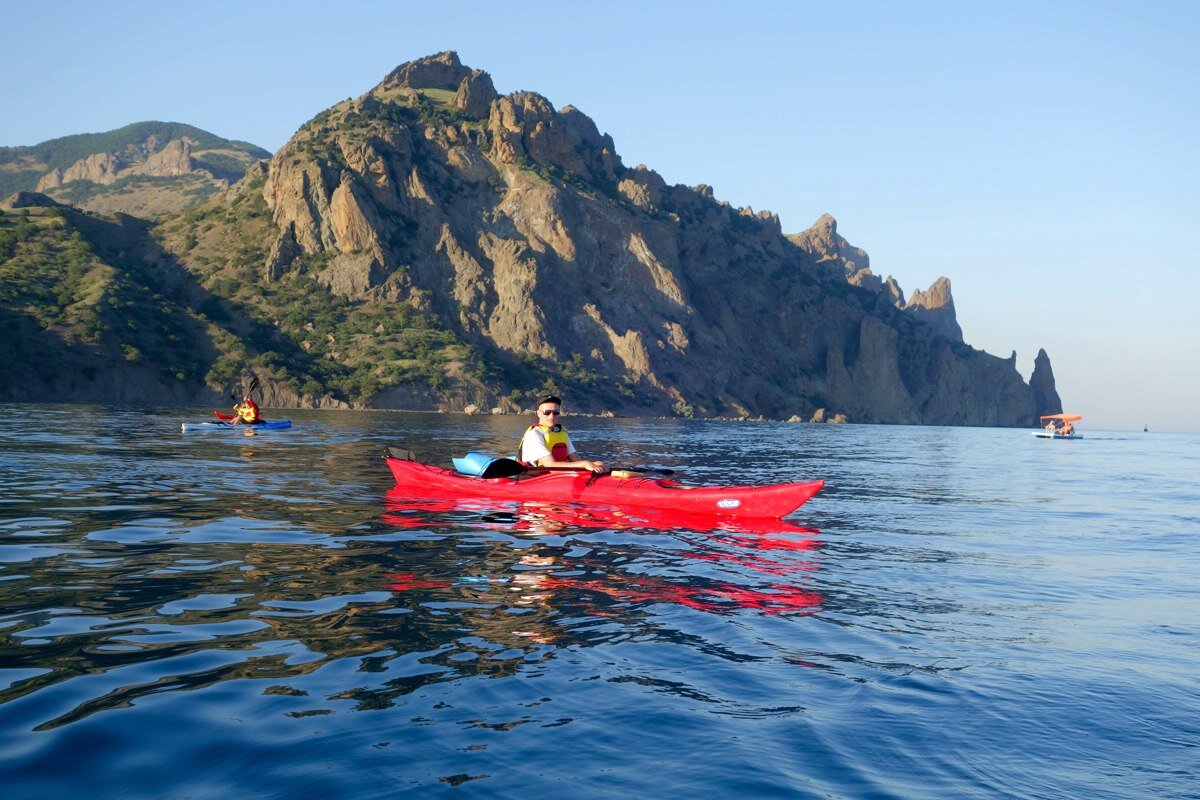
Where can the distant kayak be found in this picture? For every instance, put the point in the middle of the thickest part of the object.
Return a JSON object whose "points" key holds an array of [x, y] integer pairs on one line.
{"points": [[274, 425], [580, 486], [1048, 435]]}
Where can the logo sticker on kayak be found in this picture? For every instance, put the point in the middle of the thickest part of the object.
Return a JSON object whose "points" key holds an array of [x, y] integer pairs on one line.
{"points": [[730, 503]]}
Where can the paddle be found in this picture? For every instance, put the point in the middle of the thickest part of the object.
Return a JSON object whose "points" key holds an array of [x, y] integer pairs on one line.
{"points": [[655, 470], [509, 468]]}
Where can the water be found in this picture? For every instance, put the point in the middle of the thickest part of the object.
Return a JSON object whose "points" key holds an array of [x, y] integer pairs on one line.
{"points": [[960, 613]]}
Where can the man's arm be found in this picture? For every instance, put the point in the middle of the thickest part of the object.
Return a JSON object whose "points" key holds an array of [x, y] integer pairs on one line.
{"points": [[573, 461], [534, 450]]}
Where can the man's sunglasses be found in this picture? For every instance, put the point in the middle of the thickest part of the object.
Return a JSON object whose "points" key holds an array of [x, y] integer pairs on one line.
{"points": [[550, 413]]}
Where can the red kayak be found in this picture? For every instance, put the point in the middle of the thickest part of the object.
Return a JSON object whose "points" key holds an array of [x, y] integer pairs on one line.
{"points": [[580, 486]]}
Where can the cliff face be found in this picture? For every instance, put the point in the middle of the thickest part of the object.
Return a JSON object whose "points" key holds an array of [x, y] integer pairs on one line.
{"points": [[1041, 383], [830, 249], [175, 158], [936, 308], [433, 244], [518, 227]]}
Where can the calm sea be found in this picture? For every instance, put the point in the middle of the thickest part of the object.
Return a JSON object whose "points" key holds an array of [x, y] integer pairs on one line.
{"points": [[962, 612]]}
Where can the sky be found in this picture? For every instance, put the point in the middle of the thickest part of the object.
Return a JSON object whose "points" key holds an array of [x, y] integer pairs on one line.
{"points": [[1044, 156]]}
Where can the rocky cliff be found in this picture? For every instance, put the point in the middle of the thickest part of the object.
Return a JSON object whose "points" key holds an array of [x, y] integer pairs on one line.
{"points": [[830, 249], [432, 243], [175, 158], [521, 229], [935, 307], [1041, 383]]}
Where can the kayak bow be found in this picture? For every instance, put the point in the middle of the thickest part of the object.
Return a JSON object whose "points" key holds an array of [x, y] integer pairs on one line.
{"points": [[581, 486]]}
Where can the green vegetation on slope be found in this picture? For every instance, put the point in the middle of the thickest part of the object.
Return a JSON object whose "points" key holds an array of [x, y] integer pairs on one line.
{"points": [[66, 304], [17, 180], [63, 152]]}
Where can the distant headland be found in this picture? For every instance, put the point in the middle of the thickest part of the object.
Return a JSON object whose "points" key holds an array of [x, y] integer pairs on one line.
{"points": [[432, 244]]}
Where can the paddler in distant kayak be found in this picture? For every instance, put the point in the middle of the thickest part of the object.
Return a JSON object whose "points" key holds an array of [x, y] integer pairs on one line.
{"points": [[546, 443], [246, 413]]}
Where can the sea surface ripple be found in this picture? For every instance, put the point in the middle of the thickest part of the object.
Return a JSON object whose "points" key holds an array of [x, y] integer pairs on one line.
{"points": [[961, 612]]}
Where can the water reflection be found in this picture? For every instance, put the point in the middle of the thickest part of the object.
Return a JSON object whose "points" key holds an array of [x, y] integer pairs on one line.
{"points": [[137, 561], [623, 563], [169, 599], [470, 591]]}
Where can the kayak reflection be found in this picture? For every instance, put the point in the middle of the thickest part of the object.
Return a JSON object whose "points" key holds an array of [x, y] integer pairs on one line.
{"points": [[405, 511], [760, 565]]}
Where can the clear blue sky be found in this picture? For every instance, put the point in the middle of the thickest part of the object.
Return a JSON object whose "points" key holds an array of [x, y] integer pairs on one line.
{"points": [[1045, 156]]}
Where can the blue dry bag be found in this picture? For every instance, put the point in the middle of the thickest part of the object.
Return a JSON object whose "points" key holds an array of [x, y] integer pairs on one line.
{"points": [[481, 465]]}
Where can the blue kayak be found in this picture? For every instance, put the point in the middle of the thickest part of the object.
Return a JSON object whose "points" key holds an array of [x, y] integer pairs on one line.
{"points": [[274, 425]]}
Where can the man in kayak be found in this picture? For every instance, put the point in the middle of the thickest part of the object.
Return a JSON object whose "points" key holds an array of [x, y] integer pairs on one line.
{"points": [[246, 414], [546, 443]]}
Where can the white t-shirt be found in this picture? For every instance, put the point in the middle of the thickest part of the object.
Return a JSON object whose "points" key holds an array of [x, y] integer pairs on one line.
{"points": [[533, 445]]}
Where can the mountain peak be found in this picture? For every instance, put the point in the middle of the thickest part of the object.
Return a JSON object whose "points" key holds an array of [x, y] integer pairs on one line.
{"points": [[823, 242], [936, 307], [432, 244], [1045, 392], [440, 71]]}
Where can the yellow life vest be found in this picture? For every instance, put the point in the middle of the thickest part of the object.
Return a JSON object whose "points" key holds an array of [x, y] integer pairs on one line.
{"points": [[248, 412], [556, 442]]}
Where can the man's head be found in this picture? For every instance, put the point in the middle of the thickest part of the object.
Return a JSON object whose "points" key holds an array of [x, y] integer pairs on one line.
{"points": [[549, 409]]}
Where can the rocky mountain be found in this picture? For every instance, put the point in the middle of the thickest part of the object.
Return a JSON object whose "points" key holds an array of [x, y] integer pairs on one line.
{"points": [[829, 248], [434, 244], [1041, 382], [147, 168], [934, 306]]}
